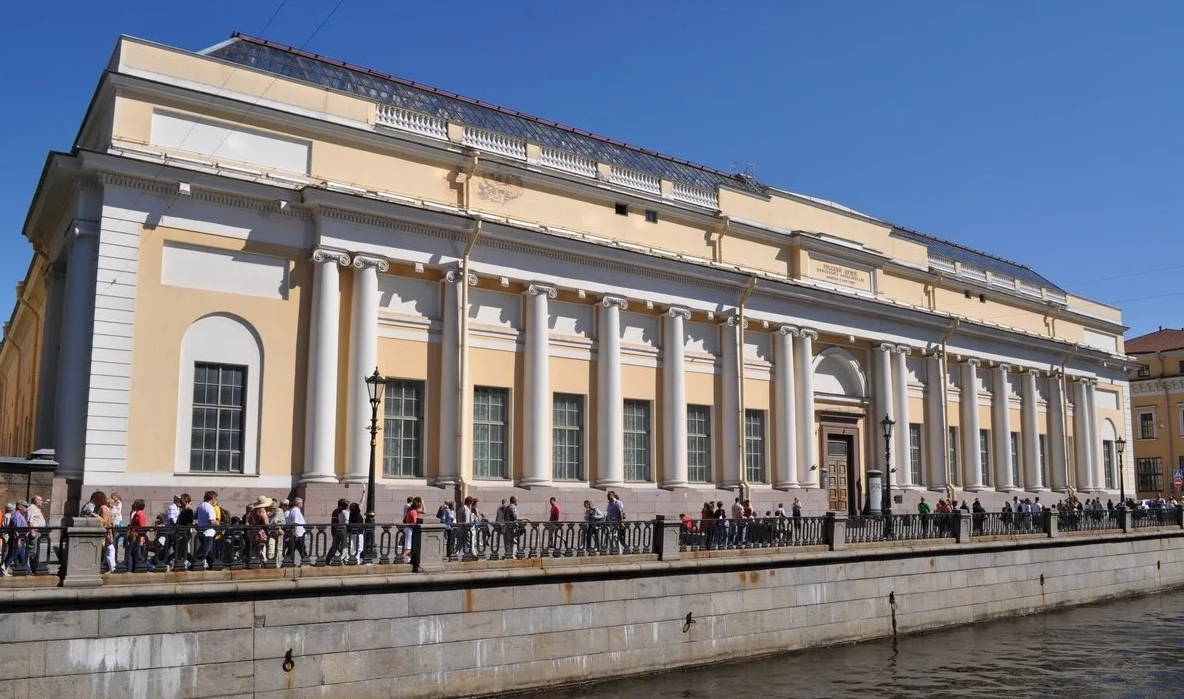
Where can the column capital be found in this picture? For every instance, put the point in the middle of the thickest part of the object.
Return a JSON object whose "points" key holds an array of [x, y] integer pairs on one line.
{"points": [[788, 330], [618, 301], [678, 312], [734, 320], [972, 362], [886, 347], [322, 255], [1003, 368], [1056, 373], [453, 276], [537, 289], [807, 334], [903, 349], [363, 261], [1030, 371]]}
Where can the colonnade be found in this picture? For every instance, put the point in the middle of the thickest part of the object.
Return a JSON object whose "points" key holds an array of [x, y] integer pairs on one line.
{"points": [[794, 457]]}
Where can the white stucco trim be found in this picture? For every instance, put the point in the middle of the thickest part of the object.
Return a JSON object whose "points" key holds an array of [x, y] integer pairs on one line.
{"points": [[194, 483], [220, 338]]}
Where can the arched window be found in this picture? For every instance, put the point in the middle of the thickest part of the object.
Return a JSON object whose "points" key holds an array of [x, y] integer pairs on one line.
{"points": [[218, 395], [838, 374]]}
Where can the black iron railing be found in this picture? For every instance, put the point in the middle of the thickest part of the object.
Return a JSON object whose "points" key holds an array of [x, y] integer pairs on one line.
{"points": [[508, 540], [1088, 521], [773, 532], [34, 551]]}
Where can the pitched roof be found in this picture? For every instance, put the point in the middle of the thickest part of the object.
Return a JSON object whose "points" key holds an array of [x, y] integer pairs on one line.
{"points": [[1161, 340], [329, 73]]}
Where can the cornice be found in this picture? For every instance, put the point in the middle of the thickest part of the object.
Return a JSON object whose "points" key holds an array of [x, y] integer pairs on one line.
{"points": [[197, 192]]}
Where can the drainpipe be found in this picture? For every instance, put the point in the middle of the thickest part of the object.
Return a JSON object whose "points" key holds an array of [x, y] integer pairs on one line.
{"points": [[740, 360], [717, 239], [1167, 411], [945, 406], [1065, 416], [462, 354]]}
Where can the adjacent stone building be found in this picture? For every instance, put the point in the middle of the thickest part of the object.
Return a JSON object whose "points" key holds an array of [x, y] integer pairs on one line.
{"points": [[240, 235], [1157, 409]]}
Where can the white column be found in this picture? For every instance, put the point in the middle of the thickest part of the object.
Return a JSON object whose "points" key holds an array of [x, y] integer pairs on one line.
{"points": [[785, 405], [363, 361], [900, 399], [1001, 428], [73, 389], [935, 426], [882, 400], [727, 418], [1033, 475], [1081, 437], [610, 403], [1057, 464], [807, 441], [320, 445], [972, 458], [674, 397], [537, 428], [51, 337], [449, 468], [1095, 433]]}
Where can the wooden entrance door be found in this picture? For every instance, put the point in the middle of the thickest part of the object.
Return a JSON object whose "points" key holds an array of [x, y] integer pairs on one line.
{"points": [[838, 472]]}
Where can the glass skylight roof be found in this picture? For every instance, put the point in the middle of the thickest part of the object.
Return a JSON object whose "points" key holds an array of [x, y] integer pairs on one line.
{"points": [[974, 258]]}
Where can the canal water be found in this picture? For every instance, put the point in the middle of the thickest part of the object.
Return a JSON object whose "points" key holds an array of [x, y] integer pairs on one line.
{"points": [[1129, 648]]}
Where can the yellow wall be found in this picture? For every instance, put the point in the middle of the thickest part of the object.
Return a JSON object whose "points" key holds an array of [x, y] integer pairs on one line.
{"points": [[20, 363]]}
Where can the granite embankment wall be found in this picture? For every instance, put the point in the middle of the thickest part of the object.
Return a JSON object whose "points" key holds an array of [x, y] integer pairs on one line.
{"points": [[490, 629]]}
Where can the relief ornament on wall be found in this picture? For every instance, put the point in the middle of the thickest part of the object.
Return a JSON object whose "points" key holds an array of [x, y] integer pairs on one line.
{"points": [[499, 188]]}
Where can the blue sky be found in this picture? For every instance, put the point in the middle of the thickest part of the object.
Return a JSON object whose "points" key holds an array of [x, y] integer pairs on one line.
{"points": [[1051, 132]]}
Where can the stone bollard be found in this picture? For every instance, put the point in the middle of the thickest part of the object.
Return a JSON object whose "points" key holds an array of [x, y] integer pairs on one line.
{"points": [[1126, 519], [961, 525], [666, 538], [835, 531], [85, 539], [430, 547], [1051, 520]]}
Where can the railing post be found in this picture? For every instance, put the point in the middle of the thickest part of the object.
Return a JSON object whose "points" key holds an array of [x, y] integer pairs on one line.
{"points": [[1126, 520], [84, 544], [1050, 523], [666, 538], [428, 549], [961, 527], [1178, 513], [835, 531]]}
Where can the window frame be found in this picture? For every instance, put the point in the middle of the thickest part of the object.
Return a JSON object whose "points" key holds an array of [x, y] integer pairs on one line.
{"points": [[402, 420], [1042, 447], [1143, 372], [504, 425], [643, 444], [699, 444], [1149, 475], [952, 452], [219, 408], [916, 453], [755, 445], [1147, 423], [984, 455], [1016, 458], [561, 433], [1108, 464]]}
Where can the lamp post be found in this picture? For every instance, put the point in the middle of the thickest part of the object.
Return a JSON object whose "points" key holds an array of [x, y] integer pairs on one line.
{"points": [[885, 487], [375, 384], [1120, 444]]}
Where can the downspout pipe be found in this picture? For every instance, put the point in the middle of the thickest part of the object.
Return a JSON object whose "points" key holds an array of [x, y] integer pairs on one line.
{"points": [[462, 354], [740, 446], [945, 405]]}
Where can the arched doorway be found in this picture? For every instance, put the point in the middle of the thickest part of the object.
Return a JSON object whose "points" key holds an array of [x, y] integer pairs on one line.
{"points": [[840, 385]]}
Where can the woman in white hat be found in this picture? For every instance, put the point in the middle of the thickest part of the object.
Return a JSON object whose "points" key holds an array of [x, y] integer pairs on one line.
{"points": [[257, 529]]}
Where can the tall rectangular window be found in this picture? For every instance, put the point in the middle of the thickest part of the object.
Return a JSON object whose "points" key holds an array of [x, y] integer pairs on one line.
{"points": [[915, 453], [1149, 475], [216, 436], [489, 432], [1108, 462], [1146, 425], [955, 469], [984, 452], [699, 443], [567, 437], [637, 440], [1043, 461], [1015, 458], [402, 429], [754, 446]]}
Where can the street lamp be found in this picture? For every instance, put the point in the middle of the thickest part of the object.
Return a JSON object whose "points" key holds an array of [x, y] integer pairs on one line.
{"points": [[885, 487], [375, 384], [1120, 444]]}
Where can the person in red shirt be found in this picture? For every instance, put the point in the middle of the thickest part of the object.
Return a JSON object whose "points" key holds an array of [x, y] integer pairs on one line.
{"points": [[137, 540]]}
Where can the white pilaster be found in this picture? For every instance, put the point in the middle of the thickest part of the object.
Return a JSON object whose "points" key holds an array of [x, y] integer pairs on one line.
{"points": [[320, 439], [884, 405], [1081, 437], [900, 400], [807, 441], [972, 459], [785, 405], [730, 403], [935, 426], [449, 472], [51, 337], [74, 355], [610, 402], [1030, 436], [674, 397], [1057, 462], [1095, 433], [1001, 428], [537, 435], [363, 361]]}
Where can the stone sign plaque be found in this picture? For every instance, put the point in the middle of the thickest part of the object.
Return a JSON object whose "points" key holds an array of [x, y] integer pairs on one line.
{"points": [[840, 274]]}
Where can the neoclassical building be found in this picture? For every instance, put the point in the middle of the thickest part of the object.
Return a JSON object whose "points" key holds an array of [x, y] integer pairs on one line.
{"points": [[239, 236], [1157, 409]]}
